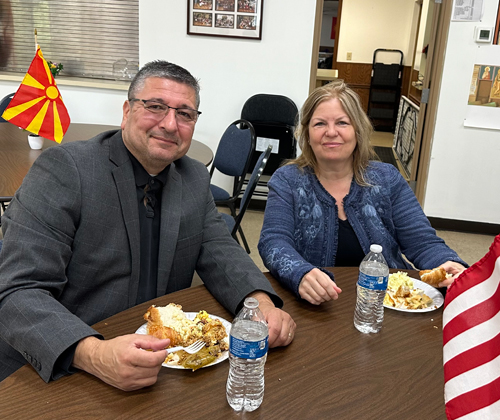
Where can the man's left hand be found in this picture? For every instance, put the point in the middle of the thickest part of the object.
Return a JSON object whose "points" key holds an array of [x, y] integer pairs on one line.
{"points": [[281, 325]]}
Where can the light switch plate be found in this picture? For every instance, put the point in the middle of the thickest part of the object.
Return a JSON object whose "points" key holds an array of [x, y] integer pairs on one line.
{"points": [[483, 34]]}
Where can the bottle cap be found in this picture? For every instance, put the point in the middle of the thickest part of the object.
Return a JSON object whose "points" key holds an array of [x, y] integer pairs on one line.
{"points": [[376, 248], [251, 303]]}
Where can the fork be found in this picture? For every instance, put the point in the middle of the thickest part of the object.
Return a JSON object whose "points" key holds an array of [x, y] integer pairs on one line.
{"points": [[192, 349]]}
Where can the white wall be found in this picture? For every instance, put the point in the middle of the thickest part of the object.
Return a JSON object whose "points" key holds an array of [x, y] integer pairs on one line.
{"points": [[465, 162], [368, 25], [232, 70]]}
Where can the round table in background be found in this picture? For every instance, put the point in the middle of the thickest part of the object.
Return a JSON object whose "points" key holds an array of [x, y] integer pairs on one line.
{"points": [[16, 157]]}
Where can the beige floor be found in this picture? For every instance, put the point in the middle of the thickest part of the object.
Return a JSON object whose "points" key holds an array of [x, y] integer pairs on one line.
{"points": [[382, 139]]}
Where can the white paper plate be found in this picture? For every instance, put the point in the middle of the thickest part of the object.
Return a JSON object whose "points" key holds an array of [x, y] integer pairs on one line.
{"points": [[432, 292], [192, 315]]}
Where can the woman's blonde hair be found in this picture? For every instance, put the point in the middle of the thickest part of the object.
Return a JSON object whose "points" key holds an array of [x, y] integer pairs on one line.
{"points": [[363, 128]]}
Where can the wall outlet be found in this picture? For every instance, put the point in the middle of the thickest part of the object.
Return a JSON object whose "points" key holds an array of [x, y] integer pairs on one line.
{"points": [[349, 56]]}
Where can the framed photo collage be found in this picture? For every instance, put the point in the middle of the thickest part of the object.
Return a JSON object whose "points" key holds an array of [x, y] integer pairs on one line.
{"points": [[229, 18]]}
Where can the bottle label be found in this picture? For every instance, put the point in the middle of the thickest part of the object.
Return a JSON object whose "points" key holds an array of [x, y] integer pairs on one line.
{"points": [[248, 349], [373, 282]]}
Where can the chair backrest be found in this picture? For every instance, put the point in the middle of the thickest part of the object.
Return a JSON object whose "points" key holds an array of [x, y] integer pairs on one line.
{"points": [[4, 103], [265, 108], [234, 152], [273, 117], [252, 184]]}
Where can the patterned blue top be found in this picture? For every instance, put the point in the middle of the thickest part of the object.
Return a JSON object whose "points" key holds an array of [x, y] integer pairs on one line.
{"points": [[300, 230]]}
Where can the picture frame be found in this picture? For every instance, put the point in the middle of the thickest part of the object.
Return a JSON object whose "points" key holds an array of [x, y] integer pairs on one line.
{"points": [[496, 36], [227, 18]]}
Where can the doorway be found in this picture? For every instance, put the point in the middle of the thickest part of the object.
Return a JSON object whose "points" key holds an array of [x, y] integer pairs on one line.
{"points": [[328, 34], [426, 43], [439, 22], [324, 56]]}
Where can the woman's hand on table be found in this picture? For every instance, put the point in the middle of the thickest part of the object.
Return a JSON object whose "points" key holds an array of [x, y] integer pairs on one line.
{"points": [[317, 287], [121, 362], [453, 268], [280, 323]]}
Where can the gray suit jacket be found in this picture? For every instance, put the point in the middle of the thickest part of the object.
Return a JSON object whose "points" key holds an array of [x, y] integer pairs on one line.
{"points": [[71, 254]]}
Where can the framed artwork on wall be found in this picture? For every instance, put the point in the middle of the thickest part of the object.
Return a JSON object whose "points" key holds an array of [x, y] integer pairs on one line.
{"points": [[229, 18]]}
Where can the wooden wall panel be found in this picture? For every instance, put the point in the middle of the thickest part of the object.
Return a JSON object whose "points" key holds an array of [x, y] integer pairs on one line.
{"points": [[355, 73], [414, 94], [364, 95], [407, 79], [358, 76]]}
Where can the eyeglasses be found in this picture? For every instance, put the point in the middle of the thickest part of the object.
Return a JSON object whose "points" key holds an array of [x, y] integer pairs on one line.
{"points": [[182, 115]]}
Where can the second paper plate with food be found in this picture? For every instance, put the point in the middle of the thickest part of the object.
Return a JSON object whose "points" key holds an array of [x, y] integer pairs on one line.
{"points": [[407, 294]]}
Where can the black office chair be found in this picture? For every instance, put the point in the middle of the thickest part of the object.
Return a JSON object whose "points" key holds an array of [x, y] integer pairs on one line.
{"points": [[273, 117], [4, 103], [4, 202], [232, 158], [234, 223]]}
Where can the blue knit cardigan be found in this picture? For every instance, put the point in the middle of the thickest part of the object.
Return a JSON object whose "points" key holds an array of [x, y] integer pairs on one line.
{"points": [[300, 230]]}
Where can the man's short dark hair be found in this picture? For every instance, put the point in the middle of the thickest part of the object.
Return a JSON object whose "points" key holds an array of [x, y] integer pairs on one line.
{"points": [[164, 70]]}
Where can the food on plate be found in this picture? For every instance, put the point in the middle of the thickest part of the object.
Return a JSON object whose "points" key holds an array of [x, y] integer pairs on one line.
{"points": [[202, 358], [402, 294], [171, 322], [434, 276], [399, 279]]}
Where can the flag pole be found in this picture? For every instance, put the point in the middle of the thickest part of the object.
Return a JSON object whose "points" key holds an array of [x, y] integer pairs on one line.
{"points": [[36, 42]]}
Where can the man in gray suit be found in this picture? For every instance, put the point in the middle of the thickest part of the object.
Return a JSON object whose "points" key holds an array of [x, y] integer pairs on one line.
{"points": [[101, 225]]}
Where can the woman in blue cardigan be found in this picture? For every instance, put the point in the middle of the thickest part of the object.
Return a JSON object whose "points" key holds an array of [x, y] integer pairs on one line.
{"points": [[328, 206]]}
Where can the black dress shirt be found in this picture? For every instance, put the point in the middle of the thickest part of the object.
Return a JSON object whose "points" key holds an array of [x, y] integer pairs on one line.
{"points": [[149, 192]]}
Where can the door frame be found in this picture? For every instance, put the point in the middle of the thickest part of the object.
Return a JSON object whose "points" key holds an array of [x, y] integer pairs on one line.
{"points": [[318, 21], [337, 34], [315, 47], [428, 112]]}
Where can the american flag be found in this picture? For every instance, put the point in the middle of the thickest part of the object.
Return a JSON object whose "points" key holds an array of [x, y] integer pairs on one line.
{"points": [[471, 341]]}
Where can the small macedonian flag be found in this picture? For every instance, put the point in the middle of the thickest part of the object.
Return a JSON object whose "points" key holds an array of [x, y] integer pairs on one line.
{"points": [[37, 105]]}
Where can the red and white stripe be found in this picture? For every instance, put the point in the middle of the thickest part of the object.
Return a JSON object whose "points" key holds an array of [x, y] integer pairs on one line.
{"points": [[471, 341]]}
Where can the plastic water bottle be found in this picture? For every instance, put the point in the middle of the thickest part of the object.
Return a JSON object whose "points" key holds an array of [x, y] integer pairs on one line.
{"points": [[248, 344], [371, 288]]}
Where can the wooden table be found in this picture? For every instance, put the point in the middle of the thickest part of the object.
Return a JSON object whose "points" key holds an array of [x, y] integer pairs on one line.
{"points": [[16, 157], [330, 371]]}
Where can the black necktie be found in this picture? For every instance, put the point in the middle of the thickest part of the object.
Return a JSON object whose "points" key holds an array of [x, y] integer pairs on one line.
{"points": [[150, 197]]}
